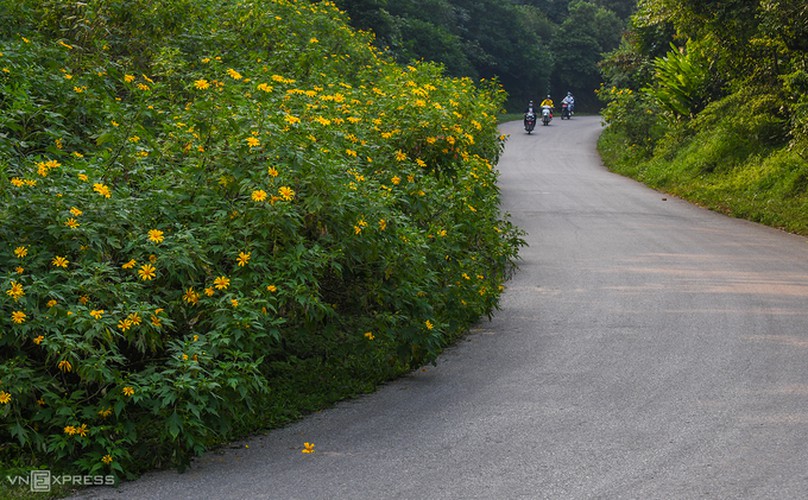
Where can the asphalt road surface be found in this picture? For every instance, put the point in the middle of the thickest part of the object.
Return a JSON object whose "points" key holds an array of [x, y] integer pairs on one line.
{"points": [[646, 349]]}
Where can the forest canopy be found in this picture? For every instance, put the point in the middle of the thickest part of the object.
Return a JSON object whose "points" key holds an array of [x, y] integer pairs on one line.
{"points": [[533, 47]]}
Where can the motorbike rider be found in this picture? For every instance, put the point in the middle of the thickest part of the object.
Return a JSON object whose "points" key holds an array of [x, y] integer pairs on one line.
{"points": [[569, 100], [530, 108], [548, 101]]}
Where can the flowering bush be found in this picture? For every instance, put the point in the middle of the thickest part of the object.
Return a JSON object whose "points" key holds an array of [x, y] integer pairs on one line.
{"points": [[193, 194]]}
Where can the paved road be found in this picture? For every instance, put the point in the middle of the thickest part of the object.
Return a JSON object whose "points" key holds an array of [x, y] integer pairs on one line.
{"points": [[646, 349]]}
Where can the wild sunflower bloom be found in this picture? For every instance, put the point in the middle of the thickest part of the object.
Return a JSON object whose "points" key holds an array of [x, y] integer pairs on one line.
{"points": [[134, 318], [258, 195], [16, 291], [156, 236], [5, 398], [235, 75], [190, 296], [52, 303], [429, 325], [97, 313], [221, 283], [107, 459], [106, 412], [253, 142], [72, 223], [147, 272], [308, 448], [76, 212], [129, 78], [18, 317], [102, 189], [38, 339], [65, 366], [21, 252], [70, 430], [272, 171], [82, 430], [243, 258], [128, 391], [209, 291], [401, 155], [124, 324], [286, 193], [272, 288], [129, 265], [202, 84], [234, 302], [369, 335]]}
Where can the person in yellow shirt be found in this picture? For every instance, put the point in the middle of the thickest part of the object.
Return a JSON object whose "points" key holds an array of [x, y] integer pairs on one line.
{"points": [[548, 101]]}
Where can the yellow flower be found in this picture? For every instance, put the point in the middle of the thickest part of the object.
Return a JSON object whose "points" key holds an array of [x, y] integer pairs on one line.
{"points": [[70, 430], [146, 272], [38, 339], [97, 313], [128, 391], [83, 177], [5, 398], [209, 291], [272, 288], [235, 75], [102, 189], [82, 431], [84, 299], [16, 291], [72, 223], [129, 78], [286, 193], [313, 40], [190, 296], [107, 459], [134, 318], [18, 317], [291, 120], [21, 252], [124, 324], [308, 448], [202, 84], [221, 283], [429, 325], [52, 302], [369, 335], [19, 269], [243, 258], [272, 171], [253, 142], [130, 264], [105, 412], [234, 302], [420, 162], [382, 224], [75, 211], [400, 155], [142, 86], [156, 236], [259, 195], [396, 180], [156, 321], [65, 366]]}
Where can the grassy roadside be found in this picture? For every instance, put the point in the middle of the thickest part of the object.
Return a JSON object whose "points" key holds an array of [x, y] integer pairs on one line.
{"points": [[717, 171]]}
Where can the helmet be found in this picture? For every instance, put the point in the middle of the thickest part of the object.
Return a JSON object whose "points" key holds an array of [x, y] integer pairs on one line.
{"points": [[548, 96], [569, 93]]}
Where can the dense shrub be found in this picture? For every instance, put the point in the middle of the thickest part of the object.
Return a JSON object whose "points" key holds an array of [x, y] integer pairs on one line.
{"points": [[196, 193]]}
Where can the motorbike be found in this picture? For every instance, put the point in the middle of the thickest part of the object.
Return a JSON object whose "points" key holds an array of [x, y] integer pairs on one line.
{"points": [[565, 111], [546, 115], [530, 122]]}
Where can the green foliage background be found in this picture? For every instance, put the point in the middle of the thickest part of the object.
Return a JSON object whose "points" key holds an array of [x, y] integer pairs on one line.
{"points": [[708, 101], [217, 215]]}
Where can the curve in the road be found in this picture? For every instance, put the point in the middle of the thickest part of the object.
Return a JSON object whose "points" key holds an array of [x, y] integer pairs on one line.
{"points": [[646, 349]]}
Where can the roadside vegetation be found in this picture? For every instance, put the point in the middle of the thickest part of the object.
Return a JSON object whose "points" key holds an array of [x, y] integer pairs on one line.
{"points": [[217, 216], [710, 102]]}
